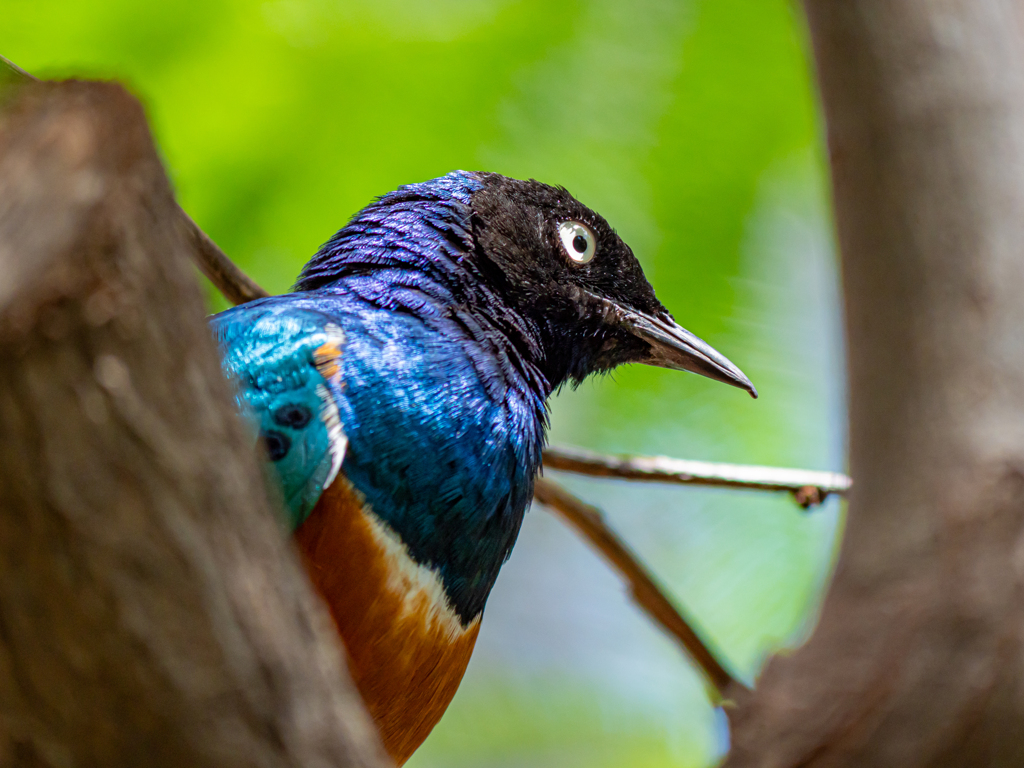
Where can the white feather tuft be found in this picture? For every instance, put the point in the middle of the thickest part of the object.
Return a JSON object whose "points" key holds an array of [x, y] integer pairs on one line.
{"points": [[337, 440]]}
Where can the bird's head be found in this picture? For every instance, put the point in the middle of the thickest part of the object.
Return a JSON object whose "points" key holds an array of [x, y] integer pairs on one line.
{"points": [[561, 265], [542, 257]]}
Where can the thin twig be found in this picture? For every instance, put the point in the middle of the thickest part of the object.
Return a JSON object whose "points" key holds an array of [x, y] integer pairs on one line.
{"points": [[237, 287], [589, 521], [808, 486], [15, 69]]}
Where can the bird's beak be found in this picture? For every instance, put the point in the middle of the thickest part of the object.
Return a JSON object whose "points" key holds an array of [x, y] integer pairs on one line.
{"points": [[672, 346]]}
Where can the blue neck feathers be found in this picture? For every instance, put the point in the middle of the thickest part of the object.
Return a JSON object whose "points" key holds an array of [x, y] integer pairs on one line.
{"points": [[446, 452]]}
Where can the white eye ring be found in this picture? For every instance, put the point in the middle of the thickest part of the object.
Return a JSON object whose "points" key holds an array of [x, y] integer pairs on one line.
{"points": [[577, 239]]}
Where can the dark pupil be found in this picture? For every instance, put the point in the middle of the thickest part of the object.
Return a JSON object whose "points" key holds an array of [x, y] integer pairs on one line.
{"points": [[294, 416], [579, 243], [277, 444]]}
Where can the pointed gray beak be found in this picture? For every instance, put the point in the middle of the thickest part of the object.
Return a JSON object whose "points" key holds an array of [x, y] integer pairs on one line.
{"points": [[672, 346]]}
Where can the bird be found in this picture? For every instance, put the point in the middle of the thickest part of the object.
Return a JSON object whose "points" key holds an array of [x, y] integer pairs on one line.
{"points": [[400, 395]]}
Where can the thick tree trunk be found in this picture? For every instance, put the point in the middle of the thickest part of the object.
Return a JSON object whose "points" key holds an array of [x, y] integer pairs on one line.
{"points": [[151, 611], [918, 659]]}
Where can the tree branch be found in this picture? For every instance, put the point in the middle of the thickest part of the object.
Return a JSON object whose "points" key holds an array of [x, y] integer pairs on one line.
{"points": [[918, 658], [8, 69], [588, 521], [236, 286], [151, 612], [809, 487]]}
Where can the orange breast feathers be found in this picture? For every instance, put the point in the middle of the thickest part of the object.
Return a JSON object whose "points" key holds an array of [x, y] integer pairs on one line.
{"points": [[407, 648]]}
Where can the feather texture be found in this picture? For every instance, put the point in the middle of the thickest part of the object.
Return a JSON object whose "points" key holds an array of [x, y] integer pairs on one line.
{"points": [[443, 415], [400, 393]]}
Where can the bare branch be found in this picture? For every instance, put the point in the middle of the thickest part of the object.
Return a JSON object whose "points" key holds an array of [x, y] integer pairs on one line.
{"points": [[810, 487], [918, 657], [9, 68], [237, 287], [589, 522], [151, 611]]}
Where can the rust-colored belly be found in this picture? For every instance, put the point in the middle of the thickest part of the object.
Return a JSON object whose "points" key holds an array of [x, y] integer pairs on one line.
{"points": [[407, 648]]}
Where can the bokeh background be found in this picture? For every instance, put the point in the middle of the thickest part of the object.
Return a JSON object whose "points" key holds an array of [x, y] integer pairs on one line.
{"points": [[692, 126]]}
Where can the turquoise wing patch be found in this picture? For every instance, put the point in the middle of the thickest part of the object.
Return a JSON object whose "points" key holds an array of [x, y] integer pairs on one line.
{"points": [[287, 366]]}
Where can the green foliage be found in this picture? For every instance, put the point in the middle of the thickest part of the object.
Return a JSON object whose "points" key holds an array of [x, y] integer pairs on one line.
{"points": [[692, 127]]}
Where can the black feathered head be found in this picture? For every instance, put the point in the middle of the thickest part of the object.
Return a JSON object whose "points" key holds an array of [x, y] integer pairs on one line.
{"points": [[565, 268], [531, 261]]}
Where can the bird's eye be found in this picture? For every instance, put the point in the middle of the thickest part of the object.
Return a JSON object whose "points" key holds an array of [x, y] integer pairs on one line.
{"points": [[577, 239]]}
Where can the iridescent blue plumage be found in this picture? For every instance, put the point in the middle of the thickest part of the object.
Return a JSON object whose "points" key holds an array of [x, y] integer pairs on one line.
{"points": [[414, 361], [457, 305], [270, 346], [444, 419]]}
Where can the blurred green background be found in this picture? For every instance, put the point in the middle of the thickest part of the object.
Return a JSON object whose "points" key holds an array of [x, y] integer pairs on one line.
{"points": [[692, 126]]}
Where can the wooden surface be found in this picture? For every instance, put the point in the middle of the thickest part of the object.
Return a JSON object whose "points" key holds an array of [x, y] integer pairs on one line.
{"points": [[151, 611], [919, 656]]}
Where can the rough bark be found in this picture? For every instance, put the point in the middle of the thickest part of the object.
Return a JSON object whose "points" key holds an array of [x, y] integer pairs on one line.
{"points": [[918, 659], [151, 611]]}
